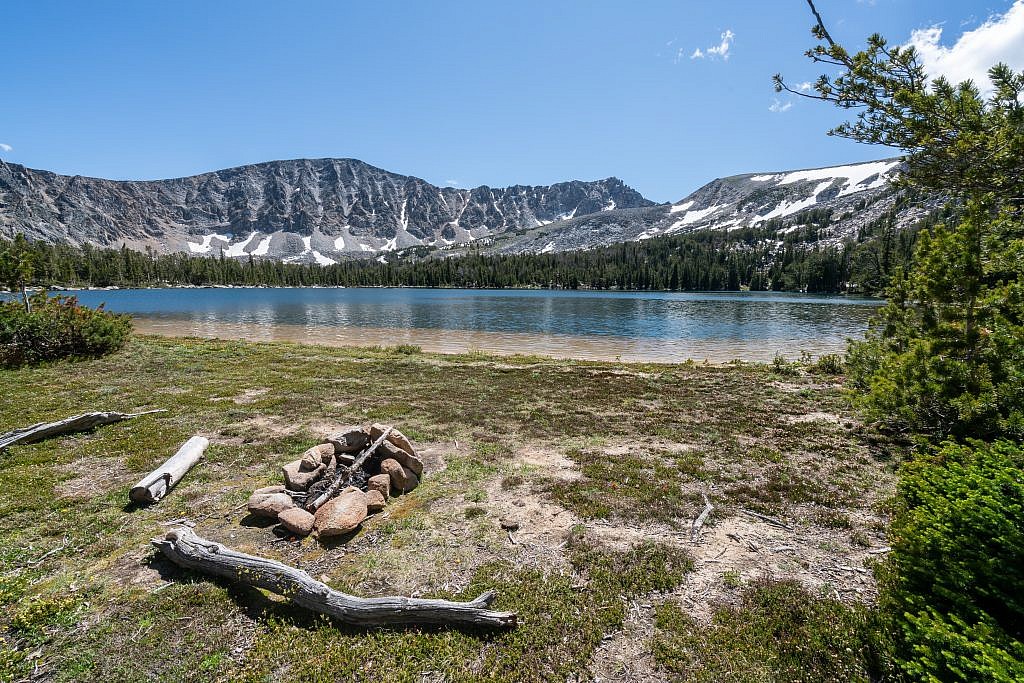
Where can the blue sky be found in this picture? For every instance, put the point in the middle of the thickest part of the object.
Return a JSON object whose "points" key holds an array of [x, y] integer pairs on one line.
{"points": [[465, 93]]}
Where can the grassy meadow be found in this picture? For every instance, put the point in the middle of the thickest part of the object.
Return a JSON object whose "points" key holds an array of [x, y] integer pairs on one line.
{"points": [[603, 465]]}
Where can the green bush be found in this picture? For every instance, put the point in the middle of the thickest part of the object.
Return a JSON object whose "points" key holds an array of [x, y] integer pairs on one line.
{"points": [[954, 582], [828, 364], [57, 327]]}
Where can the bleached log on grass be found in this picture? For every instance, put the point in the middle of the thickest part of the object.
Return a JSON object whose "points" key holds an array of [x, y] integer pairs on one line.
{"points": [[160, 481], [186, 549], [78, 423], [701, 518]]}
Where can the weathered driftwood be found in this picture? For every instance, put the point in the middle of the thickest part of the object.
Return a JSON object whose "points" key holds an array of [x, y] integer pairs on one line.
{"points": [[701, 518], [185, 548], [345, 473], [766, 518], [78, 423], [160, 481]]}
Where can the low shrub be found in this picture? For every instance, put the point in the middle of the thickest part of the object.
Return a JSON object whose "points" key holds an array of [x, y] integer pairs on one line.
{"points": [[828, 364], [953, 585], [57, 327]]}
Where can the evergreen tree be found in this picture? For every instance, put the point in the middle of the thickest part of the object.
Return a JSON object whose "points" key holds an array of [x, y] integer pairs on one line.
{"points": [[945, 356]]}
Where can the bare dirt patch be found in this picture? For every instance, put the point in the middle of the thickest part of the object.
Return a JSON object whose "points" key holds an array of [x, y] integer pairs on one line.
{"points": [[272, 426], [740, 549], [94, 477], [250, 396], [814, 417], [550, 461], [626, 656]]}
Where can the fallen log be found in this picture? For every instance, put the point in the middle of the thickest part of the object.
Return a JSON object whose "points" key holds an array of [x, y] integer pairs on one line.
{"points": [[186, 549], [699, 522], [160, 481], [78, 423]]}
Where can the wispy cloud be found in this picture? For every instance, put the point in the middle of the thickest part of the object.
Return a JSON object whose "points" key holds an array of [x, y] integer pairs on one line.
{"points": [[806, 86], [5, 148], [723, 49], [1000, 39], [778, 107], [452, 183]]}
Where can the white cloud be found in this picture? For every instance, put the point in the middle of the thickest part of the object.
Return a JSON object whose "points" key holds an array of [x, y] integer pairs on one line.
{"points": [[452, 183], [778, 107], [720, 50], [806, 86], [1000, 39], [5, 148]]}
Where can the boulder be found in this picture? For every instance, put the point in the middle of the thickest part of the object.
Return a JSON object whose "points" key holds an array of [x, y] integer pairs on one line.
{"points": [[269, 505], [381, 483], [345, 459], [390, 450], [342, 514], [296, 520], [298, 480], [403, 479], [349, 440], [375, 501], [316, 456], [276, 488], [396, 437]]}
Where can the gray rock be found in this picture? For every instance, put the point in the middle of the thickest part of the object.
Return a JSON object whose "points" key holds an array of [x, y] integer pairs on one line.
{"points": [[403, 479], [269, 505], [380, 483], [316, 456], [349, 440], [390, 450], [296, 520], [375, 501], [298, 480], [341, 514]]}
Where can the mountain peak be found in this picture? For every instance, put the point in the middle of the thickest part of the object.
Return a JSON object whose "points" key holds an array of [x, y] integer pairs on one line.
{"points": [[316, 210]]}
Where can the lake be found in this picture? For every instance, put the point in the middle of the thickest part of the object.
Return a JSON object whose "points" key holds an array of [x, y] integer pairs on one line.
{"points": [[631, 326]]}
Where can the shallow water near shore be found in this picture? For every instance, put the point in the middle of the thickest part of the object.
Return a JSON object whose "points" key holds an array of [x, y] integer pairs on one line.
{"points": [[628, 326]]}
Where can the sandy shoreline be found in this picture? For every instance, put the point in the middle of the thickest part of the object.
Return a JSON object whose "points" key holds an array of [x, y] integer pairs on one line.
{"points": [[598, 348]]}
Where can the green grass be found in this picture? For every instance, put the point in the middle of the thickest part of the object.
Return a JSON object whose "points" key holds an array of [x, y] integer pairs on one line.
{"points": [[779, 631], [647, 440]]}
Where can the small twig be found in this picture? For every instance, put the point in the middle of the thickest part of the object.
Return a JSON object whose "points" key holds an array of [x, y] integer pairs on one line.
{"points": [[766, 518], [180, 521], [42, 558]]}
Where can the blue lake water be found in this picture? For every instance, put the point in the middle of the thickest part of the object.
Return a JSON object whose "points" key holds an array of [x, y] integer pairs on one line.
{"points": [[655, 326]]}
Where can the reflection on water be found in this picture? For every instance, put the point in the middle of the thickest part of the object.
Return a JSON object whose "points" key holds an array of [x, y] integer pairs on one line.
{"points": [[599, 325]]}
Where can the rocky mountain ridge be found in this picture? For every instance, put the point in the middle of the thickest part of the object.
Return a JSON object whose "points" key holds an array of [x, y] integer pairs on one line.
{"points": [[324, 210], [300, 210], [853, 195]]}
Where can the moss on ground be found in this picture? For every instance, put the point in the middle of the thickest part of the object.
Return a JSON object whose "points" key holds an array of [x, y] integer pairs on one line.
{"points": [[647, 440]]}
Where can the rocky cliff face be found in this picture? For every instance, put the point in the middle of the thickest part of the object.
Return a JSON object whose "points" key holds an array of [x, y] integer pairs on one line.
{"points": [[302, 210], [854, 195], [323, 210]]}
